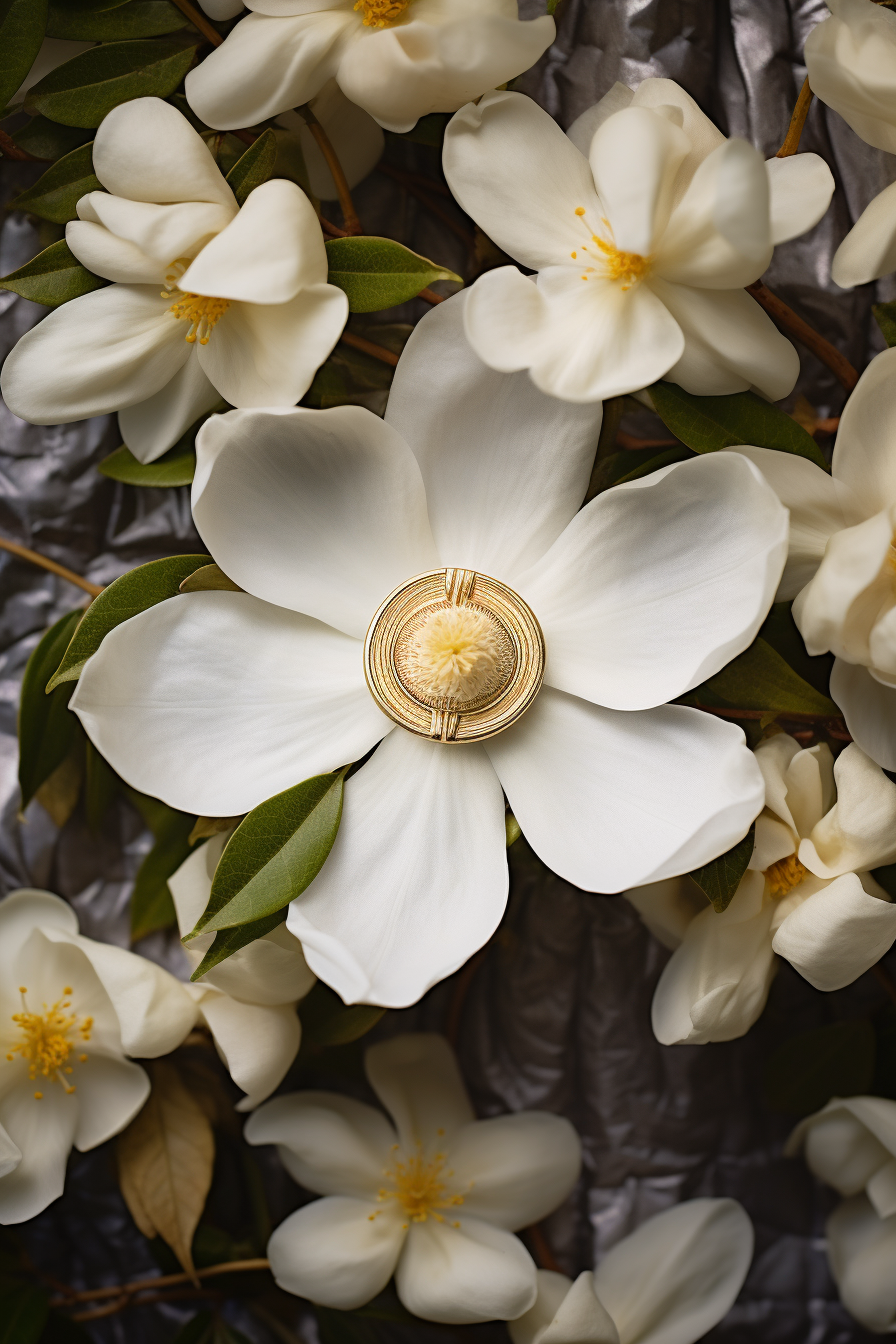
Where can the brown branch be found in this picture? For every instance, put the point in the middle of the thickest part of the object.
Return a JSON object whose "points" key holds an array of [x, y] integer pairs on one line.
{"points": [[797, 122], [118, 1290], [94, 589], [122, 1303], [791, 717], [347, 205], [794, 326], [543, 1253], [11, 150], [431, 296], [369, 347], [198, 20], [883, 976], [410, 185], [332, 229]]}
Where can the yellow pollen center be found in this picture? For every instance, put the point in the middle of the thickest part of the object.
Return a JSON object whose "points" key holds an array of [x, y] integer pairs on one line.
{"points": [[48, 1039], [456, 653], [420, 1186], [784, 875], [629, 267], [381, 13], [202, 311]]}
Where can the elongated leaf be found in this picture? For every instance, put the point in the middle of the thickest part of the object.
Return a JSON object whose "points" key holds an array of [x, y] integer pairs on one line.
{"points": [[22, 27], [274, 853], [46, 139], [176, 467], [53, 277], [228, 941], [152, 905], [721, 878], [137, 18], [83, 90], [707, 424], [779, 629], [47, 726], [378, 273], [836, 1060], [24, 1309], [132, 593], [55, 194], [255, 166], [885, 317], [100, 783], [326, 1021], [759, 678]]}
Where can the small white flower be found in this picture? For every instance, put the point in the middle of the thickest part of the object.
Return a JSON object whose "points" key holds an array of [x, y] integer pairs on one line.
{"points": [[71, 1010], [807, 896], [248, 1002], [398, 59], [644, 224], [432, 1198], [208, 300]]}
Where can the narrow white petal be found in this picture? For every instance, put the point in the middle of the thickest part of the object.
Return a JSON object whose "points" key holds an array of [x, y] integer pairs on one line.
{"points": [[635, 157], [864, 459], [112, 258], [859, 831], [869, 709], [21, 912], [837, 934], [257, 1042], [837, 609], [417, 1079], [800, 191], [151, 427], [850, 64], [162, 233], [111, 1091], [330, 1144], [869, 249]]}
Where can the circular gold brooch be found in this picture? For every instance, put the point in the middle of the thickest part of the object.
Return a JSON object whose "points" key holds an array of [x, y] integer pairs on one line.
{"points": [[454, 655]]}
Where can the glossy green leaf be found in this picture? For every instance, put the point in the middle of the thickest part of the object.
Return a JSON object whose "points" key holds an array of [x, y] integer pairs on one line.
{"points": [[779, 629], [378, 273], [22, 27], [130, 594], [53, 277], [176, 467], [326, 1021], [228, 941], [55, 195], [707, 424], [274, 853], [152, 905], [805, 1072], [100, 782], [759, 678], [24, 1309], [885, 317], [720, 878], [83, 90], [47, 726], [46, 139], [209, 579], [137, 18], [255, 166]]}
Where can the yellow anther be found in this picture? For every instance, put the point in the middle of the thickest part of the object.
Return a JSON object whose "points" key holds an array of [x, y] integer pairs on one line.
{"points": [[38, 1096], [629, 267], [202, 311], [580, 210], [419, 1186], [784, 875], [381, 13], [47, 1039]]}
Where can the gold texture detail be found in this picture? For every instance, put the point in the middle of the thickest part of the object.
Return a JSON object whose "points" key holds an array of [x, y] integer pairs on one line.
{"points": [[784, 875]]}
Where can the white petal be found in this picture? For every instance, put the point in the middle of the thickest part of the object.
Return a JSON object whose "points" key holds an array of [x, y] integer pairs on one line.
{"points": [[837, 934], [257, 1042], [322, 512], [861, 1249], [869, 709], [837, 608], [869, 249], [153, 426], [519, 1168], [113, 258], [417, 878], [507, 320], [21, 912], [848, 1141], [864, 459], [564, 1313], [582, 130], [146, 150], [850, 63], [634, 157], [162, 233], [10, 1157], [465, 1273], [417, 1078], [44, 1132], [110, 1093], [859, 831], [657, 584], [668, 907], [505, 467], [330, 1144], [678, 1275], [610, 800], [339, 1252], [214, 702], [665, 95], [800, 191]]}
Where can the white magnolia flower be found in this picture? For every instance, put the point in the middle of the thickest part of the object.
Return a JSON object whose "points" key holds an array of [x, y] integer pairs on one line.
{"points": [[219, 700], [433, 1198], [398, 59], [841, 566], [248, 1002], [669, 1282], [851, 63], [71, 1010], [807, 896], [644, 224], [851, 1144], [208, 300]]}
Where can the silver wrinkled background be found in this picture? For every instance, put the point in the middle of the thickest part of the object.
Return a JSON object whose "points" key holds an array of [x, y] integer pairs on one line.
{"points": [[557, 1014]]}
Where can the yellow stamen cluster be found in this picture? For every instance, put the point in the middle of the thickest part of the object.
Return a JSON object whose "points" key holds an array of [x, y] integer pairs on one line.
{"points": [[455, 654], [419, 1186], [629, 267], [381, 13], [784, 875], [47, 1039], [202, 311]]}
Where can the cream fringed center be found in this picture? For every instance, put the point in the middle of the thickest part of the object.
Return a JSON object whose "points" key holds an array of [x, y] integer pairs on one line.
{"points": [[456, 653]]}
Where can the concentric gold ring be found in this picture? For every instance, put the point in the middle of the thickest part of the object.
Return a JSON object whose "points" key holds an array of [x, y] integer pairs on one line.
{"points": [[513, 687]]}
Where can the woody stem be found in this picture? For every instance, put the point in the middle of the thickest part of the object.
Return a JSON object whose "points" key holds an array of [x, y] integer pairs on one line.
{"points": [[347, 205]]}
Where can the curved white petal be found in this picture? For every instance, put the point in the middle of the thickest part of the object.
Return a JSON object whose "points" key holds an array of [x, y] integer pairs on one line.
{"points": [[667, 907], [10, 1155], [21, 912], [322, 512], [849, 58], [145, 150], [504, 467], [110, 257], [583, 129], [519, 1168], [151, 427], [865, 452], [635, 156], [610, 800], [257, 1042], [162, 233], [859, 831], [43, 1130], [464, 1271], [679, 1274], [329, 1143], [110, 1093], [657, 584], [417, 878], [214, 702], [333, 1252], [800, 191], [861, 1249], [837, 934], [668, 98], [417, 1078], [869, 709], [507, 320], [564, 1313], [869, 249], [838, 608], [848, 1142], [49, 963]]}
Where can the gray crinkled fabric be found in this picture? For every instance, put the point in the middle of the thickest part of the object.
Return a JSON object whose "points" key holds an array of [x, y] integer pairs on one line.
{"points": [[556, 1015]]}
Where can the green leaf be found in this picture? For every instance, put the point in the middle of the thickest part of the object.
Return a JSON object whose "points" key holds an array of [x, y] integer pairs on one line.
{"points": [[378, 273], [209, 579], [274, 853], [653, 463], [53, 277], [228, 941], [55, 195], [885, 317], [47, 726], [759, 678], [48, 140], [100, 783], [779, 629], [176, 467], [22, 27], [255, 166], [720, 878], [23, 1313], [707, 424], [83, 90], [326, 1021], [152, 905], [805, 1072], [130, 594], [138, 18]]}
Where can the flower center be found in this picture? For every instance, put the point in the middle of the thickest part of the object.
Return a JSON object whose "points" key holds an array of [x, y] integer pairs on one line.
{"points": [[784, 875], [629, 267], [48, 1039], [454, 655], [419, 1185], [200, 310], [381, 13]]}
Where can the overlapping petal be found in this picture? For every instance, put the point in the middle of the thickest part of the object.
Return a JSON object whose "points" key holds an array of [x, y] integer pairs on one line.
{"points": [[800, 190], [146, 151], [330, 1144], [417, 1079], [333, 1252], [465, 1273], [859, 831], [516, 1168], [257, 1042], [44, 1132], [864, 460], [149, 428], [162, 233], [634, 157], [850, 60], [861, 1248], [837, 933], [869, 709]]}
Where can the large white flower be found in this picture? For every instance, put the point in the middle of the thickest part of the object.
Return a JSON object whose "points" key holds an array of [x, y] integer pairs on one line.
{"points": [[70, 1011], [851, 1144], [644, 224], [215, 701], [669, 1282], [807, 896], [432, 1198], [208, 300], [248, 1002], [841, 566], [398, 59]]}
